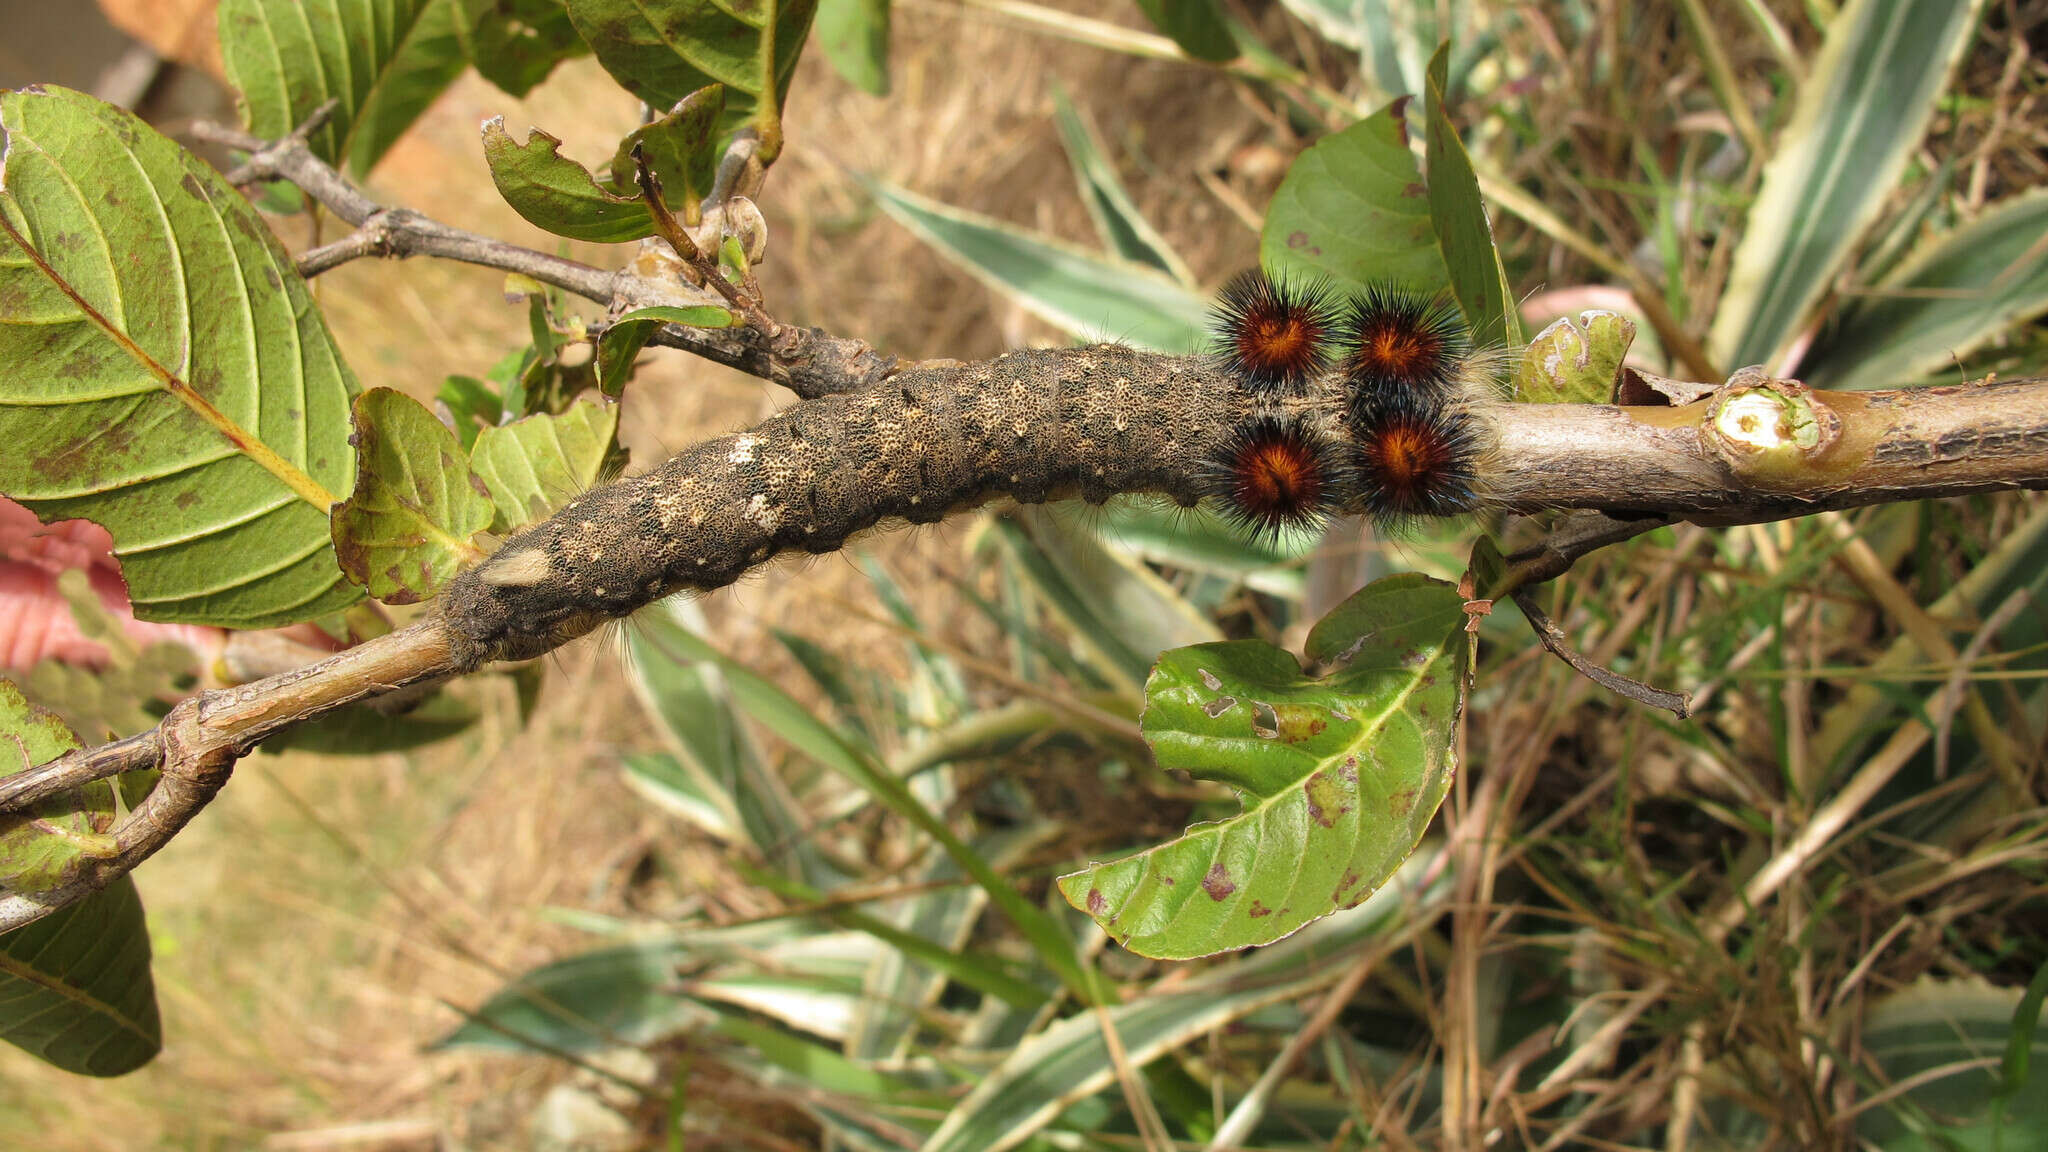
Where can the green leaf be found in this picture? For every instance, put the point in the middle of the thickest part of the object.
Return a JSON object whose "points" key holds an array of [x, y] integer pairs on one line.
{"points": [[663, 50], [407, 527], [382, 61], [556, 193], [167, 373], [1575, 361], [1459, 219], [621, 343], [1196, 25], [601, 999], [1860, 117], [1071, 1059], [1951, 295], [367, 730], [1353, 210], [75, 988], [1933, 1033], [680, 149], [1117, 220], [41, 852], [516, 43], [1085, 295], [535, 465], [855, 37], [472, 404], [1340, 776]]}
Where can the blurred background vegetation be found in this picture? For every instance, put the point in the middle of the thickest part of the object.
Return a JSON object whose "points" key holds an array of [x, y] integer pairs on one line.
{"points": [[650, 907]]}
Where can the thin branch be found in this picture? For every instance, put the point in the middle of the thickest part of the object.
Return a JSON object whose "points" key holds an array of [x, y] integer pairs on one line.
{"points": [[807, 361], [1553, 641]]}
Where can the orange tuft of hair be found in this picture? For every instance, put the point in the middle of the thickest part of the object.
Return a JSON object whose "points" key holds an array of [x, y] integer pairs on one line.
{"points": [[1275, 473], [1272, 334], [1417, 455], [1403, 341]]}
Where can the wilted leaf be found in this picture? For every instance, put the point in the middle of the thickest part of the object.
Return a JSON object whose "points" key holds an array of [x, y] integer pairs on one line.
{"points": [[169, 375], [1575, 361], [537, 464], [382, 61], [556, 193], [680, 149], [407, 527], [1353, 210], [1339, 776]]}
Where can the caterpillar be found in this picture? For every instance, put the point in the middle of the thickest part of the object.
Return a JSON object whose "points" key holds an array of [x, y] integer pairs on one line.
{"points": [[1261, 427]]}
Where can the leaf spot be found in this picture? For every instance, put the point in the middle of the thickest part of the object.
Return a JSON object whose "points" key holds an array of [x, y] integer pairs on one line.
{"points": [[1097, 903], [1209, 680], [1218, 883], [1258, 910]]}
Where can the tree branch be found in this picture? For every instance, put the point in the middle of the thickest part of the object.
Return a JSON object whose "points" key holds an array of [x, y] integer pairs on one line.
{"points": [[807, 361]]}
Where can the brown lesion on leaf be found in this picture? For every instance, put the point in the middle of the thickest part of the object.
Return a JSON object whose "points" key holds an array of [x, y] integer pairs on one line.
{"points": [[1217, 883]]}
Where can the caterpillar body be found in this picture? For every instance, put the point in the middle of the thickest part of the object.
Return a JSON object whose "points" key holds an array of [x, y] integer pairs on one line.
{"points": [[938, 437]]}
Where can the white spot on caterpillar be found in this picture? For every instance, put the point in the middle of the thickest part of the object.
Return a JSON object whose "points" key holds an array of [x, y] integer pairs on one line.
{"points": [[760, 511], [521, 569], [742, 450]]}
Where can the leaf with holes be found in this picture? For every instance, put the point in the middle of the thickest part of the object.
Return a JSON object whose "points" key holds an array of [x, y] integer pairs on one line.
{"points": [[74, 986], [663, 50], [406, 528], [381, 61], [169, 376], [1353, 209], [1339, 775], [537, 464]]}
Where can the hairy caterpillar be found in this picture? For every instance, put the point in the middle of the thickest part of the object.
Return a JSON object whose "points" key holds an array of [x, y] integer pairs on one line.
{"points": [[938, 437]]}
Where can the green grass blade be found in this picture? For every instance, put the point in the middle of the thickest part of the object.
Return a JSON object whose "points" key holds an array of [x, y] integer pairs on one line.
{"points": [[1124, 230], [1071, 1059], [1088, 296], [1860, 117], [1953, 294]]}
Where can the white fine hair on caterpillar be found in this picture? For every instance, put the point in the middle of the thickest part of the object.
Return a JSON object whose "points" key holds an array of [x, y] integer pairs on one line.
{"points": [[518, 568]]}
